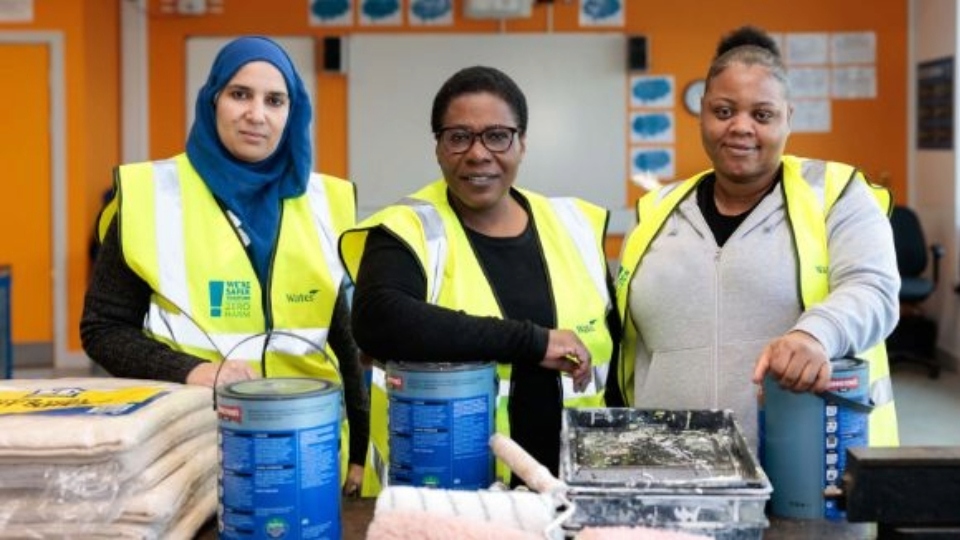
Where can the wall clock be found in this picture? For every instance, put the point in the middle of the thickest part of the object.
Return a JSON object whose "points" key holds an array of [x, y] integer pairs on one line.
{"points": [[691, 96]]}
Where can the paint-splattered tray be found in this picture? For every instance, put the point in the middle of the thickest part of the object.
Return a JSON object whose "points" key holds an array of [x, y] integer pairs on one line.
{"points": [[688, 470]]}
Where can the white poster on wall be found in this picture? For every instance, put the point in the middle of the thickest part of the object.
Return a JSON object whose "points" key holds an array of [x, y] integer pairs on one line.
{"points": [[19, 11], [854, 82], [809, 82], [853, 47], [811, 48], [810, 116]]}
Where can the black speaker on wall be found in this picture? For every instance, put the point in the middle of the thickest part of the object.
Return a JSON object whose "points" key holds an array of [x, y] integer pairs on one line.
{"points": [[637, 53], [332, 54]]}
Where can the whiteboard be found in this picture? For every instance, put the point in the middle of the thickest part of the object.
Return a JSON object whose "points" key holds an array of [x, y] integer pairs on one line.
{"points": [[575, 84]]}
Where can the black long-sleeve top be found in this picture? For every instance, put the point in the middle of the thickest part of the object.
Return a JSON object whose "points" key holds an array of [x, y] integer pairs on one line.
{"points": [[391, 321], [111, 330]]}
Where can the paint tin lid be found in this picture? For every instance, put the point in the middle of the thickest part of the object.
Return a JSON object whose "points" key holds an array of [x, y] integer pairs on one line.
{"points": [[846, 363], [432, 367], [278, 388]]}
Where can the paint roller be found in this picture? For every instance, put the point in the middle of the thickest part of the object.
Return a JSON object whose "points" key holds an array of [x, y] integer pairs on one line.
{"points": [[416, 512], [405, 512]]}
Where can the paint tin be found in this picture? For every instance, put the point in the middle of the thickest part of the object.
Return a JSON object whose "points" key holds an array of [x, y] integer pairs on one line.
{"points": [[279, 459], [441, 417], [805, 438]]}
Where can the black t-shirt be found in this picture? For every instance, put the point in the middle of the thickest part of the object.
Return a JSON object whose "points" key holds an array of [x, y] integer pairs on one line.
{"points": [[518, 276], [721, 225]]}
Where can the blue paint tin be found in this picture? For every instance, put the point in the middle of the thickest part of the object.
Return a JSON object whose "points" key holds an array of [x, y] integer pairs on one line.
{"points": [[279, 459], [805, 438], [441, 417]]}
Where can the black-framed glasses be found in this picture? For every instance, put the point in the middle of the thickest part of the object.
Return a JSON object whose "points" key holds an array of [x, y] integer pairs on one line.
{"points": [[457, 140]]}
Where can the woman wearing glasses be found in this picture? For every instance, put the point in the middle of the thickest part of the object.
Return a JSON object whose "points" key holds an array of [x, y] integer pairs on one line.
{"points": [[473, 269]]}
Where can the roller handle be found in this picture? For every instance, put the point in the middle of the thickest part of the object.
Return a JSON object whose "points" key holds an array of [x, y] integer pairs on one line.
{"points": [[532, 472]]}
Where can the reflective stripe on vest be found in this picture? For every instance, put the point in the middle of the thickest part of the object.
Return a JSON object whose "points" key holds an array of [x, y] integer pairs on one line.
{"points": [[575, 223], [169, 216], [436, 240], [317, 196]]}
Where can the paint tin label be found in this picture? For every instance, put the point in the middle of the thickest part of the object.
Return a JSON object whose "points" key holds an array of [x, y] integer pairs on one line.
{"points": [[279, 459], [843, 428], [441, 417]]}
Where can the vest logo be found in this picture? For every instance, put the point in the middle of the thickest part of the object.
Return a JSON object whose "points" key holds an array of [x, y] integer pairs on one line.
{"points": [[622, 276], [303, 298], [588, 328], [229, 299]]}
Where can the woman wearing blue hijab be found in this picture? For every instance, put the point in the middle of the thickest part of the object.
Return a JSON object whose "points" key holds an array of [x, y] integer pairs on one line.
{"points": [[220, 264]]}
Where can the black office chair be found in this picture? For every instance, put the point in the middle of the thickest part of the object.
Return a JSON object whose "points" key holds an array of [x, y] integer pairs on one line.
{"points": [[915, 337]]}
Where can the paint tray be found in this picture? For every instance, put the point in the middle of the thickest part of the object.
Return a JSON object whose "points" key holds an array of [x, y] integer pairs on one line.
{"points": [[688, 470]]}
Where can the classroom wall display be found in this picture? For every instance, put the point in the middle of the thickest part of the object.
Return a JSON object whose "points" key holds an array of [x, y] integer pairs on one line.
{"points": [[575, 86], [825, 66], [652, 128]]}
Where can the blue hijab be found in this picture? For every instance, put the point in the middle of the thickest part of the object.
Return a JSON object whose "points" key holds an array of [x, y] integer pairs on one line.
{"points": [[253, 191]]}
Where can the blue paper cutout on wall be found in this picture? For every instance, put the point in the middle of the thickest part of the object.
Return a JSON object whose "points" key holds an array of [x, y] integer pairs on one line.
{"points": [[651, 89], [380, 9], [330, 9], [651, 160], [431, 9], [651, 125], [600, 9]]}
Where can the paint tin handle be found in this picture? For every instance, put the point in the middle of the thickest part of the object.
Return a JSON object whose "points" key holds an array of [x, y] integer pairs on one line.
{"points": [[859, 406]]}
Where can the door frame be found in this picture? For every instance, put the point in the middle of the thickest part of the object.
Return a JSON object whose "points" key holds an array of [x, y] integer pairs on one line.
{"points": [[63, 358]]}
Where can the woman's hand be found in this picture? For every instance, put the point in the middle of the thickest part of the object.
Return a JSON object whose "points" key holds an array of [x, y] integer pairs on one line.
{"points": [[230, 371], [797, 361], [351, 488], [566, 353]]}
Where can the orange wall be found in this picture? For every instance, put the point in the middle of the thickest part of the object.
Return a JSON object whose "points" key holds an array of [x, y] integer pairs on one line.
{"points": [[681, 37], [90, 31]]}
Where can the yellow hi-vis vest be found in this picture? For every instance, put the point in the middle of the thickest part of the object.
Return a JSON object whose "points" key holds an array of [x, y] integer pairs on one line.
{"points": [[571, 233], [207, 300], [811, 187]]}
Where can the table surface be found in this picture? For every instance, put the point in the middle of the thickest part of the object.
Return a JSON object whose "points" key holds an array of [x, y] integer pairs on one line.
{"points": [[357, 514]]}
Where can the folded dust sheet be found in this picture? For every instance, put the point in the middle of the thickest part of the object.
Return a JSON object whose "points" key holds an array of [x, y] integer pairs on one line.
{"points": [[86, 419]]}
